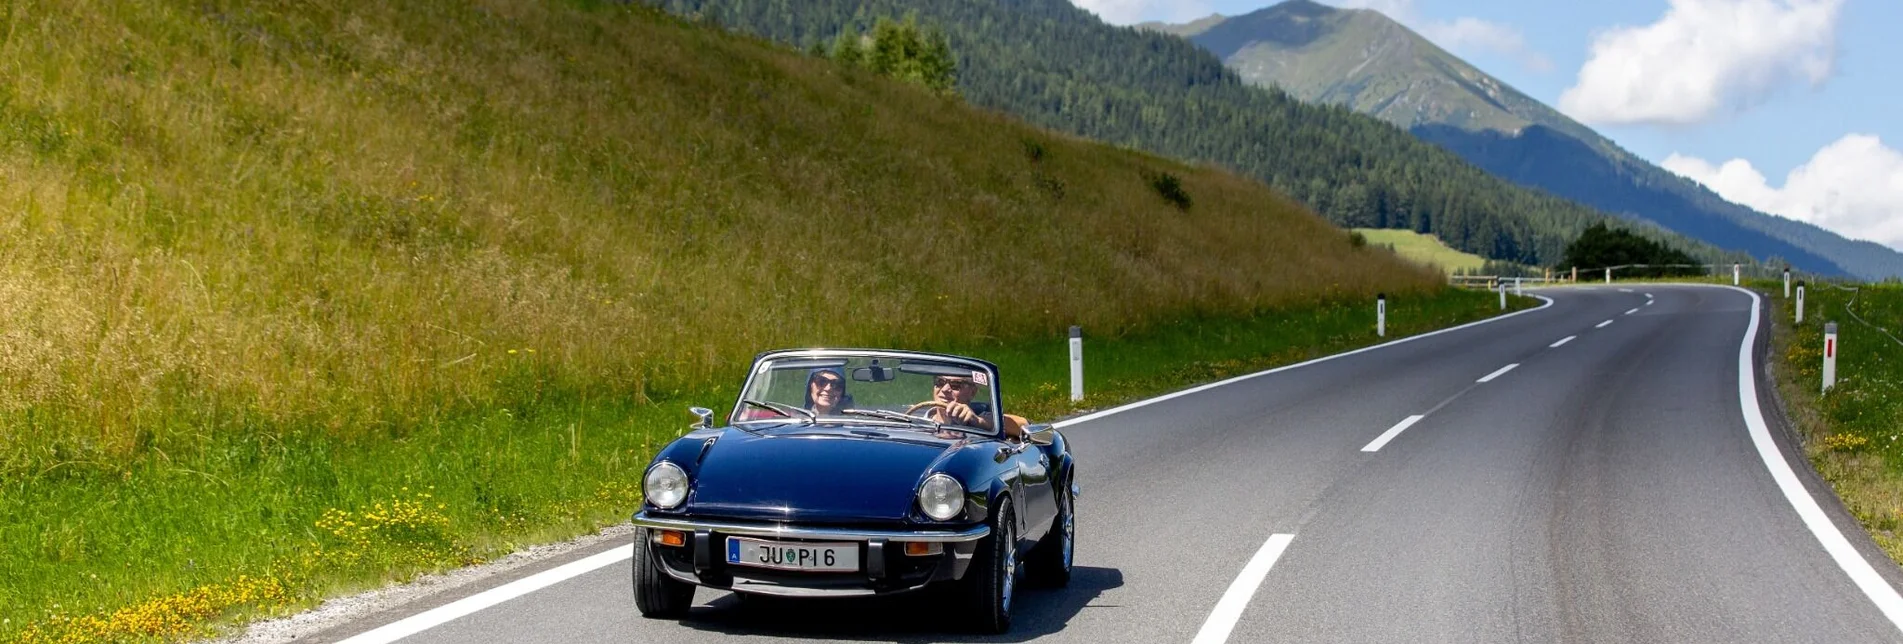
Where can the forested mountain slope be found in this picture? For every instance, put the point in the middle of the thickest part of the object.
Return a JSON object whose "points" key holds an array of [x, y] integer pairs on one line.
{"points": [[1059, 66]]}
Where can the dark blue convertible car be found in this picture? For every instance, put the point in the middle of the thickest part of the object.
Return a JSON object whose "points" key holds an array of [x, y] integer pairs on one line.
{"points": [[855, 472]]}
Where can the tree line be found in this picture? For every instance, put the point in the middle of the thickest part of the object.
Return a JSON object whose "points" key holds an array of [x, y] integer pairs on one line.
{"points": [[899, 49]]}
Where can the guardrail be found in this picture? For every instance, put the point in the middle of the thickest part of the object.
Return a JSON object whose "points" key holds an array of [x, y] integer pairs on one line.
{"points": [[1607, 273]]}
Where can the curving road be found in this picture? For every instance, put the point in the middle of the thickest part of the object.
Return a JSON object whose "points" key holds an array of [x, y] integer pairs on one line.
{"points": [[1605, 488]]}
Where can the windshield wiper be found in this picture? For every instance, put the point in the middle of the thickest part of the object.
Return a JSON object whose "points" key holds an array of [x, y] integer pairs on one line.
{"points": [[908, 418], [892, 415], [782, 409]]}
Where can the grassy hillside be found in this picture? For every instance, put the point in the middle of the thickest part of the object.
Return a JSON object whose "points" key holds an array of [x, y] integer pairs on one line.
{"points": [[1374, 65], [1424, 249], [300, 296]]}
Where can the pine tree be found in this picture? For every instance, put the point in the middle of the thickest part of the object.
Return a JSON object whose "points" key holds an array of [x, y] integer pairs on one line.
{"points": [[887, 47], [846, 48], [940, 67]]}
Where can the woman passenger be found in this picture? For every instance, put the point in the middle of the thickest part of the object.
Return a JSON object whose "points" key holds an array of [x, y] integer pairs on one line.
{"points": [[826, 392]]}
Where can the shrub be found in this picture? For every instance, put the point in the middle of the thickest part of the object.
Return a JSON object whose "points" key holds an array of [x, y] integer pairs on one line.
{"points": [[1171, 189]]}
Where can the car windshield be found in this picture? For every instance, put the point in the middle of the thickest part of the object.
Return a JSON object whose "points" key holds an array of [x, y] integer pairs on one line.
{"points": [[918, 391]]}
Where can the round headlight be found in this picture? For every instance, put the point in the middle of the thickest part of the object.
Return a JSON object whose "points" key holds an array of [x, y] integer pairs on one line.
{"points": [[941, 497], [666, 486]]}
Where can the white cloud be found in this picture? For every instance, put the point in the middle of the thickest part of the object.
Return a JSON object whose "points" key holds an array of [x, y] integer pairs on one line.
{"points": [[1128, 12], [1465, 35], [1703, 57], [1853, 187]]}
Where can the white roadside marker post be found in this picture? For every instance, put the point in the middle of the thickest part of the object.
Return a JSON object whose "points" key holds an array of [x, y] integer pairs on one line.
{"points": [[1608, 276], [1575, 279], [1503, 296], [1381, 315], [1800, 303], [1735, 269], [1830, 355], [1076, 363], [1516, 286], [1787, 283]]}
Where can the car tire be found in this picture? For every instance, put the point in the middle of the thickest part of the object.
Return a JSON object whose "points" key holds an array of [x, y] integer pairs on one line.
{"points": [[991, 585], [656, 594], [1050, 562]]}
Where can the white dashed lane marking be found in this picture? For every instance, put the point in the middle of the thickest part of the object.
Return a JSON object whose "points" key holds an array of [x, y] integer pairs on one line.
{"points": [[1391, 433], [1496, 374]]}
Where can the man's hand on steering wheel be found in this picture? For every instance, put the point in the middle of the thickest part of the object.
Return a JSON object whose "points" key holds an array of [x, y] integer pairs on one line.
{"points": [[952, 412], [962, 414]]}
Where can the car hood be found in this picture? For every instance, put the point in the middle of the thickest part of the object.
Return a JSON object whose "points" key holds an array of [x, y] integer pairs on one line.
{"points": [[815, 474]]}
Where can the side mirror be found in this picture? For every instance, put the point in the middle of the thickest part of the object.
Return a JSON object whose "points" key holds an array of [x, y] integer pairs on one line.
{"points": [[706, 417], [1040, 434]]}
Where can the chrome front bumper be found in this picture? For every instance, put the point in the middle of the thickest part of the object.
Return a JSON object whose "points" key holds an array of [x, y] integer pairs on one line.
{"points": [[884, 571], [774, 531]]}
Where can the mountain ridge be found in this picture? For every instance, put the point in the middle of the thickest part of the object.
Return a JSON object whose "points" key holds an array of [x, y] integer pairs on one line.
{"points": [[1361, 59]]}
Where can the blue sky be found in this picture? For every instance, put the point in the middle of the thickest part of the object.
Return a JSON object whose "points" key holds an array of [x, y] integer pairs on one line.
{"points": [[1777, 86]]}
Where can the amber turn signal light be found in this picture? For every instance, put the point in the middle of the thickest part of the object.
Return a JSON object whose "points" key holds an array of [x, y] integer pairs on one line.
{"points": [[920, 548], [670, 538]]}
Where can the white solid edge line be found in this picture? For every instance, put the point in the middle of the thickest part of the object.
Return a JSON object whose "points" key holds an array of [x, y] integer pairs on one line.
{"points": [[1496, 374], [1151, 401], [1625, 290], [1561, 341], [1223, 618], [436, 616], [1853, 564], [1602, 325], [1392, 432], [1635, 310]]}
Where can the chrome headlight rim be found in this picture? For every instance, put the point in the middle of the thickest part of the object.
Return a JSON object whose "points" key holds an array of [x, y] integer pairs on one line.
{"points": [[666, 498], [941, 497]]}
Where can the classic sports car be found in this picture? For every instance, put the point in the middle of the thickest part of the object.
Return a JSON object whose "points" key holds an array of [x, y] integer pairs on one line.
{"points": [[854, 472]]}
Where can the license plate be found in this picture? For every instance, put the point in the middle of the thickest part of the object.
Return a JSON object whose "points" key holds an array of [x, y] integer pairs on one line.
{"points": [[786, 555]]}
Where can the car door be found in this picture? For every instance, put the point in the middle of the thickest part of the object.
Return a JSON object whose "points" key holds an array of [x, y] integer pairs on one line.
{"points": [[1039, 499]]}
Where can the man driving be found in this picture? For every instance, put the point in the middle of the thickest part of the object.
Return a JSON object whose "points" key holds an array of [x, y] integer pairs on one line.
{"points": [[954, 394], [954, 397]]}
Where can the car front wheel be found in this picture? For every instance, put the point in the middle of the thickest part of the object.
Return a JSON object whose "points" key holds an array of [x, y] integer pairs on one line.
{"points": [[655, 593], [992, 582]]}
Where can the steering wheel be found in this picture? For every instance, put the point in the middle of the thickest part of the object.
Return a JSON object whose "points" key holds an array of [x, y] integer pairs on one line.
{"points": [[912, 411]]}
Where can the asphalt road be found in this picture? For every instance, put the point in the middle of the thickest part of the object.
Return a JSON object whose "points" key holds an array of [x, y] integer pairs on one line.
{"points": [[1603, 490]]}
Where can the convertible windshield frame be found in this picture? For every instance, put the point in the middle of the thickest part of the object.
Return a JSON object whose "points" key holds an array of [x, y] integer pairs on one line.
{"points": [[811, 358]]}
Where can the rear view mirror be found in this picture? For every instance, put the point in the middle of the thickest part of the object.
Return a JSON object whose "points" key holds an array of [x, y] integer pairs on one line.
{"points": [[874, 373]]}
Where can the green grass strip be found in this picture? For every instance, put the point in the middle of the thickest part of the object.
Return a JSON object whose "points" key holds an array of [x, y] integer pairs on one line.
{"points": [[1853, 434]]}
